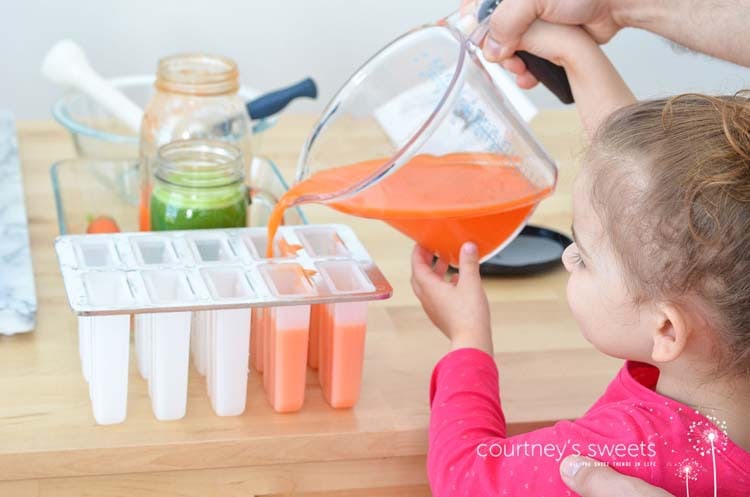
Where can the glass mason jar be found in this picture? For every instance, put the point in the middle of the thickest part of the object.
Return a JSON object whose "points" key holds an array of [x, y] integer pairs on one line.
{"points": [[198, 184], [196, 98]]}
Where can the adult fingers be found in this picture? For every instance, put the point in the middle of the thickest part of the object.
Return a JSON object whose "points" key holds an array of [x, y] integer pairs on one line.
{"points": [[526, 81], [514, 65], [508, 23]]}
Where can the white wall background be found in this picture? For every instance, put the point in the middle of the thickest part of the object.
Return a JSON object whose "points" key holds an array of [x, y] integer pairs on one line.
{"points": [[279, 42]]}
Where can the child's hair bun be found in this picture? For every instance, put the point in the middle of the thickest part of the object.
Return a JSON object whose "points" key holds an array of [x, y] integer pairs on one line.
{"points": [[736, 119], [729, 166]]}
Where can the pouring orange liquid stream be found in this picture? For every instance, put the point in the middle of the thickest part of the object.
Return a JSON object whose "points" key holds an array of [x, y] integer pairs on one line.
{"points": [[439, 201]]}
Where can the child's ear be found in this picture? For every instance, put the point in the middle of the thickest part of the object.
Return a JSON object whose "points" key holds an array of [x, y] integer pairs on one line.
{"points": [[671, 333]]}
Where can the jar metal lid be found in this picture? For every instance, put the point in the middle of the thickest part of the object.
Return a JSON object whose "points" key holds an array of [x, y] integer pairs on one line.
{"points": [[197, 74]]}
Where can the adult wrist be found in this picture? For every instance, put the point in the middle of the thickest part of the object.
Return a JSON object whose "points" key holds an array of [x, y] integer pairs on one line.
{"points": [[643, 14]]}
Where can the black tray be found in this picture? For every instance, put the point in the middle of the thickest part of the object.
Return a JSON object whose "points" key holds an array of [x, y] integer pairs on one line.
{"points": [[534, 250]]}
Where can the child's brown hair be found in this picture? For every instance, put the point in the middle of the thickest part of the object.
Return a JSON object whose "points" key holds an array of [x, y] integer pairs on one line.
{"points": [[671, 182]]}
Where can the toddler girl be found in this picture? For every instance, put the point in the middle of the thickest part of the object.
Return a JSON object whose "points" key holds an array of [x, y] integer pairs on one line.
{"points": [[659, 277]]}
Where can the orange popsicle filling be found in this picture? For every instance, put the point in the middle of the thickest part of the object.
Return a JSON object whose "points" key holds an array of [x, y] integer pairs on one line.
{"points": [[316, 317], [342, 348], [257, 337], [284, 365]]}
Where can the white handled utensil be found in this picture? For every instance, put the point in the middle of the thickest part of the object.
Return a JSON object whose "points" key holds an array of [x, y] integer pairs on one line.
{"points": [[66, 63]]}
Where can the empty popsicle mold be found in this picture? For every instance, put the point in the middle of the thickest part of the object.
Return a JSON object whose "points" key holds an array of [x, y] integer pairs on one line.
{"points": [[163, 343], [106, 288], [213, 250], [256, 244], [212, 296], [109, 351], [105, 346], [154, 250], [198, 336], [165, 348], [227, 339], [227, 283], [287, 280], [226, 335], [96, 254], [164, 287], [344, 277], [322, 242], [168, 286]]}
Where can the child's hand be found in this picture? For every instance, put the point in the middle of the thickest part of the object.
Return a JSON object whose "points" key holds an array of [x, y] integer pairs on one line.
{"points": [[458, 307], [597, 87]]}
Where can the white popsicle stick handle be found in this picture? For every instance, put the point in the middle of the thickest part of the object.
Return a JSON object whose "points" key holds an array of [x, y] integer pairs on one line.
{"points": [[66, 63], [111, 99]]}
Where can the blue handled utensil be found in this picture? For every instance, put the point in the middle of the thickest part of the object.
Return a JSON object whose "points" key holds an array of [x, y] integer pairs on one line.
{"points": [[273, 102]]}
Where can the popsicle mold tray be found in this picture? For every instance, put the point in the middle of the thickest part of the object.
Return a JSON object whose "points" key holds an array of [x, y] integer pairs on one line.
{"points": [[213, 295]]}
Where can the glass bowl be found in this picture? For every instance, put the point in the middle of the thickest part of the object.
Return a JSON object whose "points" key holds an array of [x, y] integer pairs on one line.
{"points": [[96, 134]]}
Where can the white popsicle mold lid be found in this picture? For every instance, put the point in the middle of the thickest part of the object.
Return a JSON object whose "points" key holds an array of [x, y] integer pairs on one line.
{"points": [[131, 273]]}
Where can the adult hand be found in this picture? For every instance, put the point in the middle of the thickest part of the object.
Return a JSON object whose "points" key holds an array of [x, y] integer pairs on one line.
{"points": [[512, 19], [701, 26], [591, 478]]}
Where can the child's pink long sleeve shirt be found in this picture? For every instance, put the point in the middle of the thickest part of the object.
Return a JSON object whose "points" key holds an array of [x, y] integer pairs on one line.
{"points": [[636, 430]]}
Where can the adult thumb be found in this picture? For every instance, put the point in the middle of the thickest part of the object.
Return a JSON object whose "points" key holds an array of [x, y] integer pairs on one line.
{"points": [[591, 478], [468, 263]]}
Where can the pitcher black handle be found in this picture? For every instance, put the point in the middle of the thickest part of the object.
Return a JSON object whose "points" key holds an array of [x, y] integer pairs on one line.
{"points": [[550, 75]]}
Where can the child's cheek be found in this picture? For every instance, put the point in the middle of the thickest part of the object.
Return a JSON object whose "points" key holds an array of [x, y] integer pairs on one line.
{"points": [[582, 306], [594, 320], [575, 299]]}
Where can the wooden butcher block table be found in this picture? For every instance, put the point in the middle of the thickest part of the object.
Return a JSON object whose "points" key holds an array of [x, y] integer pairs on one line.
{"points": [[51, 446]]}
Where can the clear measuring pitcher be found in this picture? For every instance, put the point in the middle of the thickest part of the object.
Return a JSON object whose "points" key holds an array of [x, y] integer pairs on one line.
{"points": [[423, 138]]}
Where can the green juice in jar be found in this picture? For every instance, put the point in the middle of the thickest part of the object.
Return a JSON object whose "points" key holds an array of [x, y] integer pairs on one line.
{"points": [[198, 185]]}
